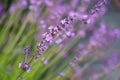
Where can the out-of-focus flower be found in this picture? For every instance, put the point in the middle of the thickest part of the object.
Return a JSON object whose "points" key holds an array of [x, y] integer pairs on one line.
{"points": [[61, 74], [1, 9], [22, 4], [12, 8], [112, 61], [44, 61]]}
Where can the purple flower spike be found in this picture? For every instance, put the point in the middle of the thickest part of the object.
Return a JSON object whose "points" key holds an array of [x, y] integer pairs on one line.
{"points": [[24, 66]]}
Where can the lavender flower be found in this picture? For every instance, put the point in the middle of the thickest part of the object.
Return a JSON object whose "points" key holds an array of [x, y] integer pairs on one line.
{"points": [[44, 61], [97, 39], [26, 52], [112, 61], [22, 4], [53, 31], [58, 41], [12, 8], [24, 66], [96, 11], [97, 7], [61, 74], [1, 9]]}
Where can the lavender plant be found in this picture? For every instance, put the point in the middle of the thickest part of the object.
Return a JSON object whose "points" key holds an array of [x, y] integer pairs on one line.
{"points": [[68, 40]]}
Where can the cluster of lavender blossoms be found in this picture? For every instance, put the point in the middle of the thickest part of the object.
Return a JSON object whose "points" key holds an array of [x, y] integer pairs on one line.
{"points": [[61, 30], [100, 37]]}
